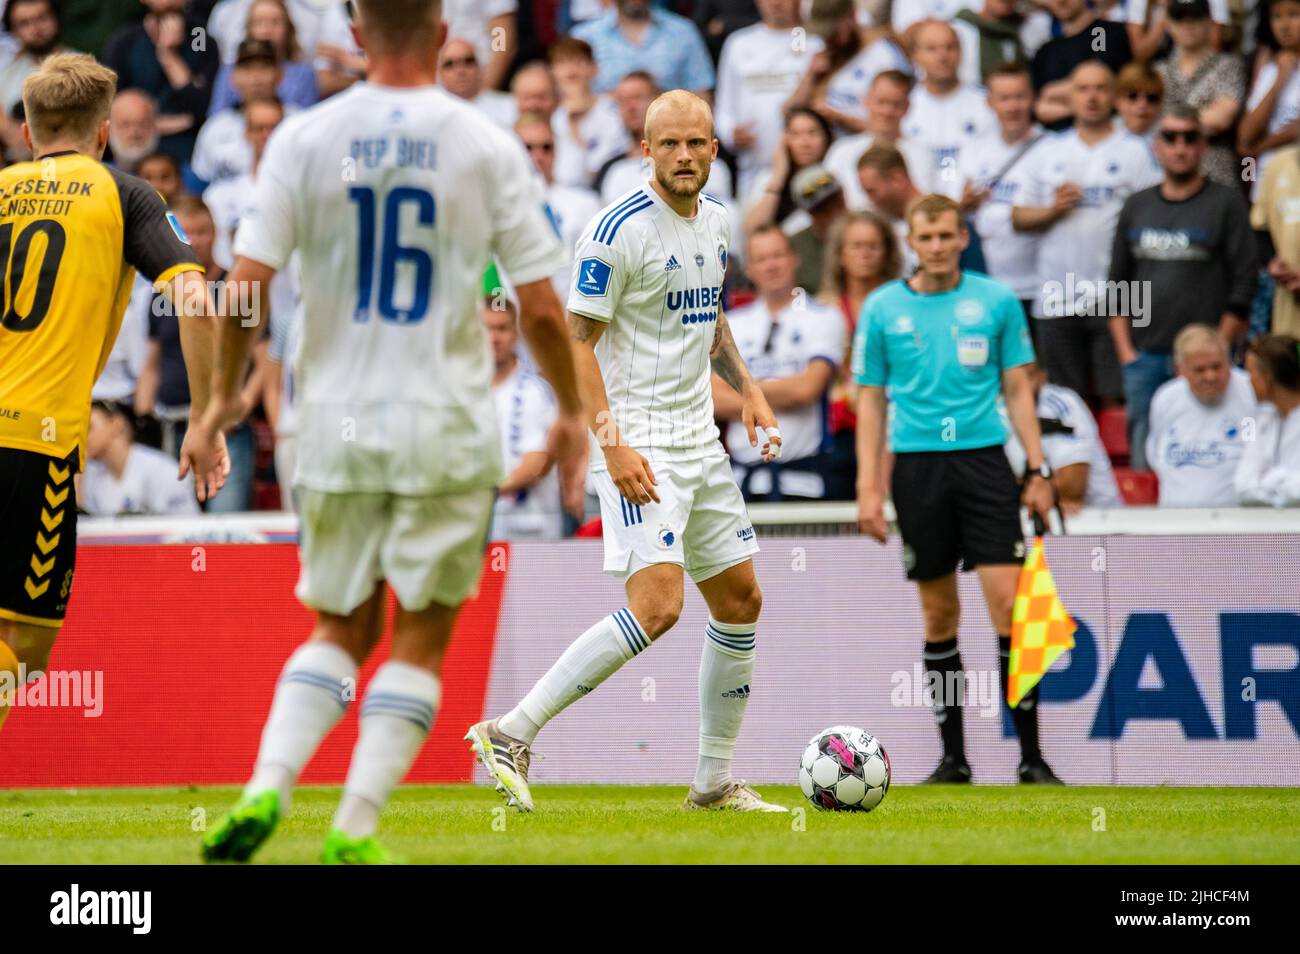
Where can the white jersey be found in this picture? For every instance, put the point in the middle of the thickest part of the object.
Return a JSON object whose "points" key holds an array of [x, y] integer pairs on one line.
{"points": [[903, 13], [1082, 446], [846, 92], [126, 361], [314, 23], [1286, 110], [221, 152], [1269, 472], [1011, 256], [600, 137], [396, 200], [471, 21], [1194, 448], [842, 162], [1074, 254], [571, 209], [525, 412], [801, 335], [758, 70], [229, 201], [947, 125], [656, 279], [148, 485]]}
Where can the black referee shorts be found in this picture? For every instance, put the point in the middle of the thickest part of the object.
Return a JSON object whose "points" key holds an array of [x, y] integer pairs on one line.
{"points": [[38, 536], [959, 506]]}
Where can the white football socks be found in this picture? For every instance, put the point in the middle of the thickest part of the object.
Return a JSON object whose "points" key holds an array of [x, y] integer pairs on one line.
{"points": [[396, 716], [314, 689], [726, 668], [591, 659]]}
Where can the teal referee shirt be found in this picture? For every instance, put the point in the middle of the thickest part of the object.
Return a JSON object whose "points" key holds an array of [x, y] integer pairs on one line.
{"points": [[941, 357]]}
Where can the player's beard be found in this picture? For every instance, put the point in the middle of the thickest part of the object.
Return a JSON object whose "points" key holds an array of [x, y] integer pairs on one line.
{"points": [[684, 188]]}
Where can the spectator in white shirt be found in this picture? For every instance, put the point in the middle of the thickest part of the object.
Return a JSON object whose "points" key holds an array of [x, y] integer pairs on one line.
{"points": [[528, 499], [803, 144], [221, 152], [588, 132], [132, 129], [490, 26], [1081, 471], [323, 32], [123, 477], [570, 208], [461, 75], [533, 89], [1198, 423], [943, 113], [1273, 106], [792, 345], [760, 67], [1269, 472], [887, 181]]}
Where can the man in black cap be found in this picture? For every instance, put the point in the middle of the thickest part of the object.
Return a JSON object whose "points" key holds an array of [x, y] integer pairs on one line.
{"points": [[221, 152]]}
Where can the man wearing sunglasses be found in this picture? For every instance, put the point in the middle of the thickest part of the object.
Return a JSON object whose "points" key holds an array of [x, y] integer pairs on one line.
{"points": [[1187, 245]]}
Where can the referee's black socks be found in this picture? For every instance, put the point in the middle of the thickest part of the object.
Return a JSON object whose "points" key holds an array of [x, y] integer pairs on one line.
{"points": [[1025, 715], [947, 684]]}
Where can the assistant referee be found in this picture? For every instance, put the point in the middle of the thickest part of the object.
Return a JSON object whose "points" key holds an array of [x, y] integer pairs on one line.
{"points": [[941, 346]]}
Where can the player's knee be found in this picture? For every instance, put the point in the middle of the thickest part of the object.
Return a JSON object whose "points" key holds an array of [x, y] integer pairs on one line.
{"points": [[661, 615], [748, 604], [941, 621]]}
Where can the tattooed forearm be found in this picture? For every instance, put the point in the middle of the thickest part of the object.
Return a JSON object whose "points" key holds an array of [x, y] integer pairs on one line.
{"points": [[726, 360]]}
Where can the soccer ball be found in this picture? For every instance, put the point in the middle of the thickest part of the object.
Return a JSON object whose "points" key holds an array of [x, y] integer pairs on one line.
{"points": [[844, 769]]}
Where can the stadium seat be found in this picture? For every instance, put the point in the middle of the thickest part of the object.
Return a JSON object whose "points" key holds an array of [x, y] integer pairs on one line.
{"points": [[1112, 426], [1139, 488], [593, 529]]}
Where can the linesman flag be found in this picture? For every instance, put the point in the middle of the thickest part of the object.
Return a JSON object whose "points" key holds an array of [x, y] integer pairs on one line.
{"points": [[1041, 629]]}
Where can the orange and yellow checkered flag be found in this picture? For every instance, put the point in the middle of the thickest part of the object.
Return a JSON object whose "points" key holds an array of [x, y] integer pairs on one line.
{"points": [[1041, 629]]}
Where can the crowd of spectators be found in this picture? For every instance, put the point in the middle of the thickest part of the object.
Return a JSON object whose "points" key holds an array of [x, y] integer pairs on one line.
{"points": [[1131, 171]]}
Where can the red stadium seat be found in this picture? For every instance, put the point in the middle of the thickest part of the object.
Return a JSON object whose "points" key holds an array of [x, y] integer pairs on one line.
{"points": [[592, 529], [1139, 488], [740, 298], [1112, 426], [266, 495]]}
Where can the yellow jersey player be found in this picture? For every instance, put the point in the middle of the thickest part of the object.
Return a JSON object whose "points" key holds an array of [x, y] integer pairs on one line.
{"points": [[73, 233]]}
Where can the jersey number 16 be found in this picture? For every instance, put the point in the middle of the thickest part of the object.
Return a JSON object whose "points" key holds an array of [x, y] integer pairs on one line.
{"points": [[391, 254]]}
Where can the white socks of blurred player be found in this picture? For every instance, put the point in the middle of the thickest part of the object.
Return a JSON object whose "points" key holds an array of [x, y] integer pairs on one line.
{"points": [[591, 659], [396, 716], [726, 668], [314, 689]]}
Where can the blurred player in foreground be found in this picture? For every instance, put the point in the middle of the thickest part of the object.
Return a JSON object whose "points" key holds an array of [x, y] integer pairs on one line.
{"points": [[395, 196], [73, 233], [645, 314], [946, 343]]}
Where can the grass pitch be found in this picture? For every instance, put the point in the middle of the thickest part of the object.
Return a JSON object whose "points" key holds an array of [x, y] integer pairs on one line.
{"points": [[635, 824]]}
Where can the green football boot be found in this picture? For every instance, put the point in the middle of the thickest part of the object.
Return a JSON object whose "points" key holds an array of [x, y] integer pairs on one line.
{"points": [[242, 830], [341, 849]]}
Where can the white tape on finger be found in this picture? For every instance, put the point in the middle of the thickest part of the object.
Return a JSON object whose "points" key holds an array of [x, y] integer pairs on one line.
{"points": [[773, 448]]}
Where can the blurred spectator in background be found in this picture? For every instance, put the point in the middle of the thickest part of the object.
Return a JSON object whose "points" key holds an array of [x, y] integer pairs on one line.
{"points": [[760, 67], [1140, 93], [280, 402], [816, 192], [1273, 105], [461, 75], [87, 24], [533, 90], [1072, 187], [1269, 472], [588, 132], [1195, 74], [839, 76], [490, 26], [943, 114], [528, 499], [862, 254], [1081, 471], [122, 477], [570, 208], [37, 26], [132, 129], [888, 184], [221, 151], [990, 192], [1277, 213], [163, 171], [1186, 245], [322, 31], [11, 131], [995, 35], [636, 35], [793, 346], [906, 13], [719, 20], [158, 57], [1084, 37], [887, 103], [269, 21], [1198, 423], [802, 145]]}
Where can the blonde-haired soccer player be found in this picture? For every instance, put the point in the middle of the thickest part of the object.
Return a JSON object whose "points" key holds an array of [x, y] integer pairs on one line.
{"points": [[645, 313], [395, 195], [73, 233]]}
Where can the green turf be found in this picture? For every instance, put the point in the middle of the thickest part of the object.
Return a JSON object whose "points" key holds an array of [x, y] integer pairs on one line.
{"points": [[610, 824]]}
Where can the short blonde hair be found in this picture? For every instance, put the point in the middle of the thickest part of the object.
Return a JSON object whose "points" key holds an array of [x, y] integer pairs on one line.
{"points": [[677, 100], [932, 206], [67, 98]]}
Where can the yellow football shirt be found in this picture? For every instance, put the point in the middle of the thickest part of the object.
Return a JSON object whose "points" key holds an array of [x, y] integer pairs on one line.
{"points": [[73, 233]]}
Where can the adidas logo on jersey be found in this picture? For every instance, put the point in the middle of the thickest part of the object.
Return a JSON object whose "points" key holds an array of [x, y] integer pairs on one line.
{"points": [[741, 693], [673, 265]]}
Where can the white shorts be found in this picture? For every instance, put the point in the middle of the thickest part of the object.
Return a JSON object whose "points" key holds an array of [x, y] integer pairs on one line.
{"points": [[429, 549], [700, 523]]}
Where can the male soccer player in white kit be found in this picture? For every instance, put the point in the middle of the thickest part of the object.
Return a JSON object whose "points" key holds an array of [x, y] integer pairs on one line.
{"points": [[396, 196], [645, 318]]}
